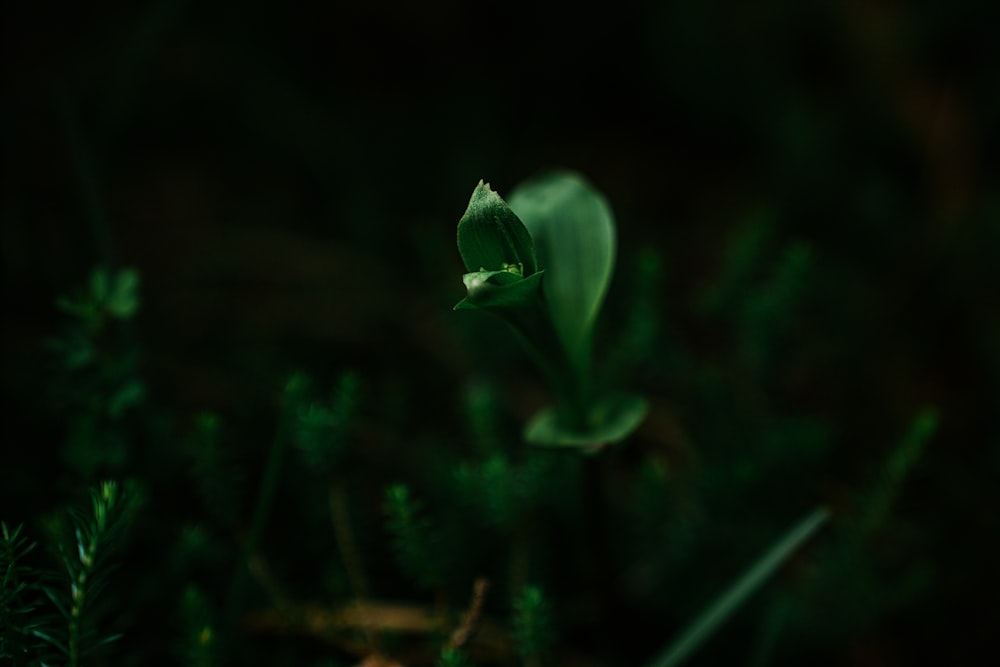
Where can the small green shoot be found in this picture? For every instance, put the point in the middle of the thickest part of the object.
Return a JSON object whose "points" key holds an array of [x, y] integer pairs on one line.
{"points": [[413, 538]]}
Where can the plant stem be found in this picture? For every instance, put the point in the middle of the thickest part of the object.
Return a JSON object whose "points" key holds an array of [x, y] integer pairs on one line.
{"points": [[74, 639], [341, 518], [601, 573], [265, 498], [520, 556], [349, 553]]}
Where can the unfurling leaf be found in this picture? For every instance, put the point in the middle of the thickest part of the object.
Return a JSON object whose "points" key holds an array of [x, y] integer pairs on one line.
{"points": [[574, 235]]}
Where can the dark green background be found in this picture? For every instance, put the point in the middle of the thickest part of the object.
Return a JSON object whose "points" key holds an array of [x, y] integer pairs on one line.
{"points": [[287, 180]]}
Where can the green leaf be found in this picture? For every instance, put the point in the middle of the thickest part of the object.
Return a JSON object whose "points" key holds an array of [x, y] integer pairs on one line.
{"points": [[726, 604], [60, 646], [491, 238], [489, 291], [574, 234], [610, 421]]}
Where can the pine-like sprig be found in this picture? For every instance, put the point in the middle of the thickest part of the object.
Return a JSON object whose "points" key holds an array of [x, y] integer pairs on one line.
{"points": [[320, 428], [413, 539], [532, 626], [766, 315], [86, 564]]}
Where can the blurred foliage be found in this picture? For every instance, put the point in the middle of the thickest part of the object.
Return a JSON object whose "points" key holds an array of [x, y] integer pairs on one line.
{"points": [[20, 593], [808, 241], [531, 625]]}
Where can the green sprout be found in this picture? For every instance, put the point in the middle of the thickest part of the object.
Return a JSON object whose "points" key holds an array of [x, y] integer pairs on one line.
{"points": [[543, 263]]}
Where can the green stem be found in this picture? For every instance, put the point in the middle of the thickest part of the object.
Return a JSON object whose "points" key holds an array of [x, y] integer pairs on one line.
{"points": [[601, 563], [74, 641], [265, 499], [520, 556], [349, 552], [78, 597], [567, 377]]}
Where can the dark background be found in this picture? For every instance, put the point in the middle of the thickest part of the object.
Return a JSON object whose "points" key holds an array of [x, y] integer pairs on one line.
{"points": [[287, 181]]}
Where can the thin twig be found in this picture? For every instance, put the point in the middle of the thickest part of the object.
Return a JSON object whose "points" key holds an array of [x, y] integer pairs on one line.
{"points": [[265, 499], [344, 533], [411, 624], [461, 635]]}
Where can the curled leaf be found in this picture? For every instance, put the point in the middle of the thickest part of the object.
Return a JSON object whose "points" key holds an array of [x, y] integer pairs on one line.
{"points": [[492, 238]]}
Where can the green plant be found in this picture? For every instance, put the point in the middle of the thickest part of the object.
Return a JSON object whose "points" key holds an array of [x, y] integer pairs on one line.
{"points": [[413, 538], [99, 385], [30, 594], [108, 296], [630, 543], [532, 629], [544, 263]]}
